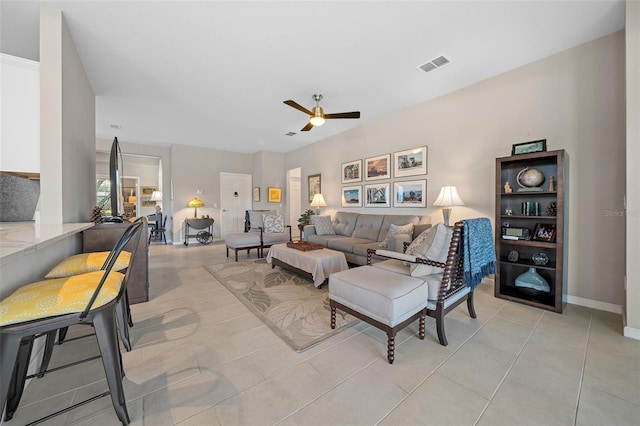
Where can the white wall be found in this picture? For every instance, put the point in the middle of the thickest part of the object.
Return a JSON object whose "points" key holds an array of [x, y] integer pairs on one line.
{"points": [[575, 100], [20, 112], [67, 126], [269, 171], [632, 44]]}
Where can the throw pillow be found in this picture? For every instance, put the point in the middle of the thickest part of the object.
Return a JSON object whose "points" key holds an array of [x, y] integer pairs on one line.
{"points": [[437, 250], [389, 242], [323, 225], [273, 223]]}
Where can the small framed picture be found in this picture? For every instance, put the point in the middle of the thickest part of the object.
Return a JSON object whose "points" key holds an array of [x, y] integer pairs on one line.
{"points": [[410, 193], [352, 196], [529, 147], [275, 195], [351, 171], [377, 195], [377, 167], [545, 232], [314, 183], [410, 162], [256, 194]]}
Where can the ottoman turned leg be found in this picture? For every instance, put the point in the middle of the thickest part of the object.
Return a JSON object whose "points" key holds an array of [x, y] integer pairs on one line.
{"points": [[421, 333], [333, 318], [391, 348]]}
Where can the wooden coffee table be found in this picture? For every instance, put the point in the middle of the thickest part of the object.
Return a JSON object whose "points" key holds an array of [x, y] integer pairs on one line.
{"points": [[315, 265]]}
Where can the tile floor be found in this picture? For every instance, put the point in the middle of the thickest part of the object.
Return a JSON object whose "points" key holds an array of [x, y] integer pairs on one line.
{"points": [[201, 358]]}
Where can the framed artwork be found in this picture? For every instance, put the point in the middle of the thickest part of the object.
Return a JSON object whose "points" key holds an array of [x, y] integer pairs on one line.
{"points": [[275, 195], [545, 232], [378, 167], [146, 192], [410, 162], [352, 196], [377, 195], [314, 183], [410, 193], [529, 147], [351, 172], [256, 194]]}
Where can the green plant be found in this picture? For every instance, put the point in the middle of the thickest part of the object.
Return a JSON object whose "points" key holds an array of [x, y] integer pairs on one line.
{"points": [[305, 218]]}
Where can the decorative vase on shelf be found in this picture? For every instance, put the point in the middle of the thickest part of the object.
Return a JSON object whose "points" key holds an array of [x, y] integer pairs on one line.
{"points": [[532, 280]]}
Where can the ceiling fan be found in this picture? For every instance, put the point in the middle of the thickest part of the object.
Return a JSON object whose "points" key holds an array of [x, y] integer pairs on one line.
{"points": [[317, 115]]}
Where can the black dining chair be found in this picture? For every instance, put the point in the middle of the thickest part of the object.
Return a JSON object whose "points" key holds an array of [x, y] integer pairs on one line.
{"points": [[91, 299], [158, 233]]}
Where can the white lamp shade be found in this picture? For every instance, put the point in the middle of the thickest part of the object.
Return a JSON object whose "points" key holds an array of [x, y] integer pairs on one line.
{"points": [[156, 196], [449, 197], [318, 201]]}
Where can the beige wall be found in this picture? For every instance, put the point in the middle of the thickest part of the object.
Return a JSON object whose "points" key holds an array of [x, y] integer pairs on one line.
{"points": [[269, 171], [67, 126], [632, 24], [575, 100]]}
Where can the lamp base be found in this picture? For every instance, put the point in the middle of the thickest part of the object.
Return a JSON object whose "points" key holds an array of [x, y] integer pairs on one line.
{"points": [[446, 214]]}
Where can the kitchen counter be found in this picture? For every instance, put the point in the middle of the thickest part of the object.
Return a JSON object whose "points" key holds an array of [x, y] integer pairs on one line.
{"points": [[21, 237]]}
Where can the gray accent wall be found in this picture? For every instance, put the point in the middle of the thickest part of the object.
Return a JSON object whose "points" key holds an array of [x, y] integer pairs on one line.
{"points": [[574, 99]]}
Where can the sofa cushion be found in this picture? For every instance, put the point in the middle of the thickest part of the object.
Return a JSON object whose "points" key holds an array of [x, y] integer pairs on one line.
{"points": [[273, 223], [345, 222], [322, 225], [389, 242], [437, 250], [322, 239], [361, 249], [346, 244], [271, 238], [396, 219], [368, 226]]}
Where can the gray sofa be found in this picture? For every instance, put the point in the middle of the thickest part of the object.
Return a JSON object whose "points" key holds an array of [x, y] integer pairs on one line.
{"points": [[357, 232]]}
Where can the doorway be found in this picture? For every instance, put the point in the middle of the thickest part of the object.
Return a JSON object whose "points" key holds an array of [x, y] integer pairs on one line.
{"points": [[235, 199], [294, 197]]}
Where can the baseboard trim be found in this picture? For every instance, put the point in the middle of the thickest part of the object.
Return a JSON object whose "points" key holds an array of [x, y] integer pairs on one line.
{"points": [[632, 333], [595, 304]]}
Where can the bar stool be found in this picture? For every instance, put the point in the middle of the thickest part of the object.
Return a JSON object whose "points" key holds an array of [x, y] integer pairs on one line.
{"points": [[43, 307]]}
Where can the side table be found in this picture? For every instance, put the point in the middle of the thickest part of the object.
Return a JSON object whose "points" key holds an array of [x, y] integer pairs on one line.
{"points": [[203, 237]]}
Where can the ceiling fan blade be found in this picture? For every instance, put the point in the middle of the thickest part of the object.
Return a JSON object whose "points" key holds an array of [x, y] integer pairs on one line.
{"points": [[308, 127], [353, 114], [297, 106]]}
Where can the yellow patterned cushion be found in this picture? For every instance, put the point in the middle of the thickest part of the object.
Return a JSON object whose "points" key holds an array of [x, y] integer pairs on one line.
{"points": [[87, 262], [59, 296]]}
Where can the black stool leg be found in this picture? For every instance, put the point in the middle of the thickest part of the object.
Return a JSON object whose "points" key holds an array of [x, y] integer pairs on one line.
{"points": [[105, 326], [48, 351], [19, 377]]}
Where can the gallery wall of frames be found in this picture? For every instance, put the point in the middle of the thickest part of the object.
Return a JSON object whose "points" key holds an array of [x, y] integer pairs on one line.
{"points": [[368, 181]]}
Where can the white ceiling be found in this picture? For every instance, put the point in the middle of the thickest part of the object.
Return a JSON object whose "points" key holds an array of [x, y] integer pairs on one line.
{"points": [[215, 73]]}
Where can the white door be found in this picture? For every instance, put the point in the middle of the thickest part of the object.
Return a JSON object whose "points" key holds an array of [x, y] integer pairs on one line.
{"points": [[294, 197], [235, 199]]}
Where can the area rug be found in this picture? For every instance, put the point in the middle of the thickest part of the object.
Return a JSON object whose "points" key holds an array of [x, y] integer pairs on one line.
{"points": [[288, 304]]}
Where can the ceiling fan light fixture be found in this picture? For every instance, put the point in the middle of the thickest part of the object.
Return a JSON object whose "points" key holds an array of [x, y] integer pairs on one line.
{"points": [[317, 119]]}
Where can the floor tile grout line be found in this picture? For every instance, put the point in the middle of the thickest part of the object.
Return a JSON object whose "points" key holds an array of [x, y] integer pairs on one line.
{"points": [[484, 410], [438, 367], [584, 363]]}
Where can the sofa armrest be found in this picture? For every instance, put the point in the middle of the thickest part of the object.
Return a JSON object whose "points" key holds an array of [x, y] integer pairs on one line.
{"points": [[309, 230]]}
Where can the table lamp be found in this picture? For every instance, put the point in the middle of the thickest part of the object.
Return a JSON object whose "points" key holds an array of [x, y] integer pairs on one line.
{"points": [[157, 196], [195, 203], [448, 197], [318, 201]]}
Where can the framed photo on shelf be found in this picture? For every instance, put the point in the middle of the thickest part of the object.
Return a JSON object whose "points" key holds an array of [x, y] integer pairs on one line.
{"points": [[256, 194], [529, 147], [545, 232], [410, 193], [377, 167], [351, 171], [410, 162], [314, 184], [377, 195], [275, 195], [352, 196]]}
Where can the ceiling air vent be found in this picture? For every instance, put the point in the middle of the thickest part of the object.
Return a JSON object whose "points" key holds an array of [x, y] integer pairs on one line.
{"points": [[290, 133], [433, 64]]}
